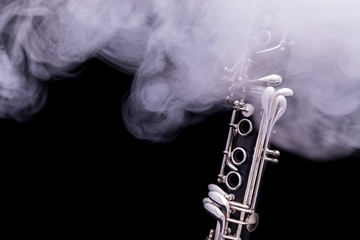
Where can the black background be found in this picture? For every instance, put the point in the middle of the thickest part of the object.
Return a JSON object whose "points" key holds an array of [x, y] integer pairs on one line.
{"points": [[74, 171]]}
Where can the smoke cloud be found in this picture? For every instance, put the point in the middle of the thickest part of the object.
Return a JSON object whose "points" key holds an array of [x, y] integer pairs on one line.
{"points": [[177, 51]]}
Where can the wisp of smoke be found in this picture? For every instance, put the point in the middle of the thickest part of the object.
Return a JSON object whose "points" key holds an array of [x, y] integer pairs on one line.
{"points": [[177, 51]]}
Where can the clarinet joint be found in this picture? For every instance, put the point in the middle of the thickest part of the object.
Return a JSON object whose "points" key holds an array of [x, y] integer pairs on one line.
{"points": [[261, 68]]}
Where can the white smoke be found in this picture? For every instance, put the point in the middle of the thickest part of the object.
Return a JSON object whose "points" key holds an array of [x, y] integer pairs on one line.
{"points": [[323, 119], [177, 51]]}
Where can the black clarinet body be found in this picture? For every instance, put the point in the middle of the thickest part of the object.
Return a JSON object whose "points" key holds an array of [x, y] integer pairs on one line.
{"points": [[257, 104]]}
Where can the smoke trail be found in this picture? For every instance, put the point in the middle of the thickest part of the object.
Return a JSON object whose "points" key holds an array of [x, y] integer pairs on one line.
{"points": [[323, 121], [182, 72], [177, 51]]}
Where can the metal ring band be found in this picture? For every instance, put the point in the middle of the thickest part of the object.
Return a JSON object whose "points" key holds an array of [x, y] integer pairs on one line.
{"points": [[230, 175], [234, 158], [241, 131]]}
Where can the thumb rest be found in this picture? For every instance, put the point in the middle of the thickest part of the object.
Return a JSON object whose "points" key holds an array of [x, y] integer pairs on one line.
{"points": [[233, 201]]}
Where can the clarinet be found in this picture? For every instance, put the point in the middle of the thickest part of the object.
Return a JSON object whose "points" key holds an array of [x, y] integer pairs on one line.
{"points": [[262, 68]]}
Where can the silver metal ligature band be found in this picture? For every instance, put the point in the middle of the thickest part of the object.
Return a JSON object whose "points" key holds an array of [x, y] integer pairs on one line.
{"points": [[232, 201]]}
